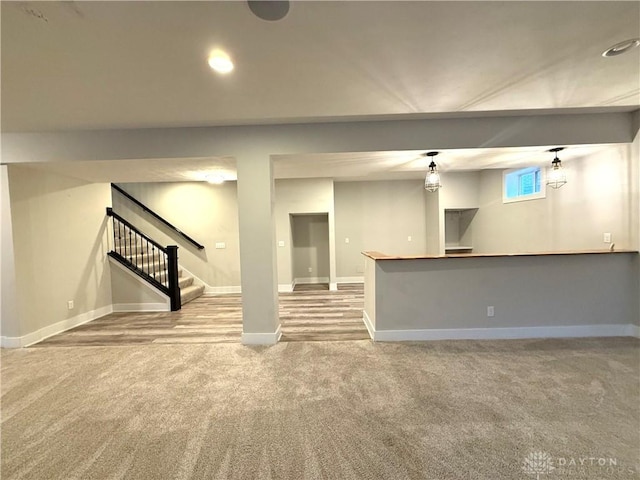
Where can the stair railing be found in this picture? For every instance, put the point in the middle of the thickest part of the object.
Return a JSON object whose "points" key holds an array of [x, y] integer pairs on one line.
{"points": [[157, 217], [146, 258]]}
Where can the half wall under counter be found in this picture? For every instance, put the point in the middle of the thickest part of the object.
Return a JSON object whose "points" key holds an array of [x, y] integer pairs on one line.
{"points": [[533, 295]]}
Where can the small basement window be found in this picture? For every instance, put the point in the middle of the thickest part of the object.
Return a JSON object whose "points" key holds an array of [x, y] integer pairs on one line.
{"points": [[522, 184]]}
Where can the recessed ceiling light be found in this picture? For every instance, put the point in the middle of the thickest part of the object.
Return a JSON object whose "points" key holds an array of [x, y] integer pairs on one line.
{"points": [[220, 61], [622, 47]]}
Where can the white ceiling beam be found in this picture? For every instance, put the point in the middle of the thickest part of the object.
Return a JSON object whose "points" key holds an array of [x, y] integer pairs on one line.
{"points": [[360, 136]]}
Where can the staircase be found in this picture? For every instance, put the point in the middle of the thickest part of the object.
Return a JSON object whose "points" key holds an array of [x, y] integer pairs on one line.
{"points": [[188, 290], [152, 262]]}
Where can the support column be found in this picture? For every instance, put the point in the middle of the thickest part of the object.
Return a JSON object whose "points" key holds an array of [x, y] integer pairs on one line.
{"points": [[258, 266], [10, 329], [333, 277]]}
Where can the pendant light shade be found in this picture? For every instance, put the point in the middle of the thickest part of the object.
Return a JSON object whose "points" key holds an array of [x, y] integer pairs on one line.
{"points": [[432, 180], [556, 177]]}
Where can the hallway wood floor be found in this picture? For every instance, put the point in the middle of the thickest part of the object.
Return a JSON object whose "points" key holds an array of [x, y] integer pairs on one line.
{"points": [[311, 313]]}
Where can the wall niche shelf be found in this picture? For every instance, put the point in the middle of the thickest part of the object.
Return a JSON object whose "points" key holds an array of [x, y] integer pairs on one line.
{"points": [[457, 230]]}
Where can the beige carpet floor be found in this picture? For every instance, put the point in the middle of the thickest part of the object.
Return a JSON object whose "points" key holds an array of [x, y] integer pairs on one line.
{"points": [[324, 410]]}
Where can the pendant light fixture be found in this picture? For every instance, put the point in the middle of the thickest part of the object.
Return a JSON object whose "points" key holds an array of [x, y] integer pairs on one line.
{"points": [[432, 181], [556, 177]]}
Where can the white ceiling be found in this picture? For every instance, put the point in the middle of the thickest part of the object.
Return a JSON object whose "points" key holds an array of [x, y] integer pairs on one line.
{"points": [[103, 65]]}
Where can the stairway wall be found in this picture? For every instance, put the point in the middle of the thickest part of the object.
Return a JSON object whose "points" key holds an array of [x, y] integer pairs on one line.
{"points": [[207, 213], [130, 293], [60, 246]]}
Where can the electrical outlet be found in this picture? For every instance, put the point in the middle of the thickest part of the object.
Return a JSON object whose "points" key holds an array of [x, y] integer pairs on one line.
{"points": [[70, 304], [607, 238], [346, 240], [281, 243], [490, 311], [409, 238], [310, 269], [221, 245]]}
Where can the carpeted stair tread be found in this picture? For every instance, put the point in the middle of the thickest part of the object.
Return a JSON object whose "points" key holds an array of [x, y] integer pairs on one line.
{"points": [[184, 282], [191, 293]]}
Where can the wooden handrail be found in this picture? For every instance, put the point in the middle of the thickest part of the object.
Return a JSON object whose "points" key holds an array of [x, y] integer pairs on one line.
{"points": [[199, 246]]}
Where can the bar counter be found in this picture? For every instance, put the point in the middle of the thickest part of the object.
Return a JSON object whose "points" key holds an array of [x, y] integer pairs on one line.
{"points": [[383, 256], [523, 295]]}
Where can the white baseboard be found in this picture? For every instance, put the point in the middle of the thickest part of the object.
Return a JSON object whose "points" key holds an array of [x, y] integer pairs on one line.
{"points": [[142, 307], [333, 286], [285, 288], [350, 280], [574, 331], [369, 324], [307, 280], [58, 327], [261, 338], [634, 331]]}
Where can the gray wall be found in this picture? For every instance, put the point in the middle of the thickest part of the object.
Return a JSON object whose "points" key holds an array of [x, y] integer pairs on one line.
{"points": [[596, 199], [526, 291], [60, 243], [130, 293], [378, 216], [460, 190]]}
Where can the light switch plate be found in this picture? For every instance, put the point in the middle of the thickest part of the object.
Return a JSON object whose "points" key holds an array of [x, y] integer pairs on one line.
{"points": [[221, 245]]}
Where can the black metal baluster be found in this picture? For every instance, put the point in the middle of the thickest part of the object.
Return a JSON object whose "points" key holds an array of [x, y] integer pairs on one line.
{"points": [[124, 233], [130, 249], [147, 255], [153, 256], [119, 250]]}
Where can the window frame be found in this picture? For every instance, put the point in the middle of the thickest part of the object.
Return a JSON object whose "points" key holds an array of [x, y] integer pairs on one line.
{"points": [[524, 198]]}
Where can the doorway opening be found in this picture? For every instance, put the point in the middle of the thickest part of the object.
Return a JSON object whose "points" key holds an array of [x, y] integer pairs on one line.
{"points": [[310, 262]]}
